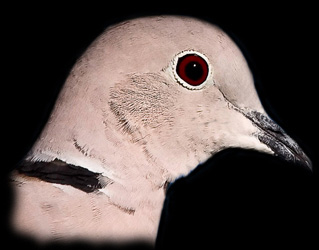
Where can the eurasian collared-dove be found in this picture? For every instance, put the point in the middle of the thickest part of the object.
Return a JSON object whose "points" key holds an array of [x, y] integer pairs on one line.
{"points": [[147, 102]]}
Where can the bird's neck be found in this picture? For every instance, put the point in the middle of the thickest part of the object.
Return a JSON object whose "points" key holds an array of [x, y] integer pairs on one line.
{"points": [[136, 189], [137, 180]]}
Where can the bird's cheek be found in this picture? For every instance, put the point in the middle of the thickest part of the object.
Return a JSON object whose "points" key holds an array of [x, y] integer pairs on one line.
{"points": [[245, 135], [236, 131]]}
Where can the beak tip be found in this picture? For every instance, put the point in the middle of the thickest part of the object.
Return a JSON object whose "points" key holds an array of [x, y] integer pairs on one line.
{"points": [[290, 154], [275, 138], [304, 161], [296, 156]]}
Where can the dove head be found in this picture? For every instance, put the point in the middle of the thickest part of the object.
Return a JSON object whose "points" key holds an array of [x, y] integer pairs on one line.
{"points": [[161, 94]]}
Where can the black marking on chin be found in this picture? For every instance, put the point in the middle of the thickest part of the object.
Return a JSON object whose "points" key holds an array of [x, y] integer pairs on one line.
{"points": [[60, 172]]}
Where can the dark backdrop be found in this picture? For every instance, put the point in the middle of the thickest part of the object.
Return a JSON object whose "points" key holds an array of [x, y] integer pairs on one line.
{"points": [[238, 197]]}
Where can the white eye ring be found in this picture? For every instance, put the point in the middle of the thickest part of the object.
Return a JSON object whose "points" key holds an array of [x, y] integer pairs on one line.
{"points": [[192, 69]]}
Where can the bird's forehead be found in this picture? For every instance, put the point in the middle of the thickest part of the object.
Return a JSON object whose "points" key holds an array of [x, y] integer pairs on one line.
{"points": [[160, 38]]}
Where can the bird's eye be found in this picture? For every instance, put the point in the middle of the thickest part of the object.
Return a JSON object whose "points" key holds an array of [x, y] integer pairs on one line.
{"points": [[192, 69]]}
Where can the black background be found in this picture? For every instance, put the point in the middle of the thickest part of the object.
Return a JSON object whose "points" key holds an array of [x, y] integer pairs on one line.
{"points": [[238, 198]]}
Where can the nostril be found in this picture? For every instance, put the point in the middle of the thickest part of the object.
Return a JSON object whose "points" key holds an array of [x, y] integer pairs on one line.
{"points": [[264, 122]]}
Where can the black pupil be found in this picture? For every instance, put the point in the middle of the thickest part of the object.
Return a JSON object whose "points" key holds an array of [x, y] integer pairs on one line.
{"points": [[194, 70]]}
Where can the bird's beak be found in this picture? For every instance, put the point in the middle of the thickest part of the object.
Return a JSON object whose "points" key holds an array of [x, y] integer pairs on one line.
{"points": [[275, 138]]}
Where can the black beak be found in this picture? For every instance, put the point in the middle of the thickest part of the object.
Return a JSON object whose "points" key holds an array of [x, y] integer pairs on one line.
{"points": [[274, 137]]}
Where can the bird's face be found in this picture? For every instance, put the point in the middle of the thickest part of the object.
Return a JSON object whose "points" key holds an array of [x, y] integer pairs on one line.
{"points": [[177, 88], [192, 94]]}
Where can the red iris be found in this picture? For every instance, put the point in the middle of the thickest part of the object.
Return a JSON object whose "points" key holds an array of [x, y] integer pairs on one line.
{"points": [[193, 69]]}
